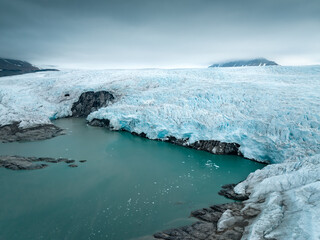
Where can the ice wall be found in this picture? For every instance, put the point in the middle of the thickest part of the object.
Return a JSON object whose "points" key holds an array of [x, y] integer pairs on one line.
{"points": [[272, 112]]}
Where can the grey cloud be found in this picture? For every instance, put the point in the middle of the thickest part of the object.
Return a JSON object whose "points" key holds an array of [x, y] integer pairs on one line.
{"points": [[155, 33]]}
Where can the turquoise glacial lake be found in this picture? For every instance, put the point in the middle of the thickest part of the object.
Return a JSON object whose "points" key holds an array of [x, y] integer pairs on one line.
{"points": [[129, 188]]}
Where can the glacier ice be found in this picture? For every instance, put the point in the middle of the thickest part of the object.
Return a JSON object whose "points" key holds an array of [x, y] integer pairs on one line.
{"points": [[272, 112], [290, 194]]}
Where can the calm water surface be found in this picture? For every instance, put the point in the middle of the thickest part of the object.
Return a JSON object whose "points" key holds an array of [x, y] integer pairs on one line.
{"points": [[129, 188]]}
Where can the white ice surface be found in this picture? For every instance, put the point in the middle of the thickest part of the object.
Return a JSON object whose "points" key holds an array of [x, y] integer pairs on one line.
{"points": [[272, 112], [291, 209]]}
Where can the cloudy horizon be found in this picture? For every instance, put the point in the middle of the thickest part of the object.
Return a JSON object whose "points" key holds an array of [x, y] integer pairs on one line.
{"points": [[150, 33]]}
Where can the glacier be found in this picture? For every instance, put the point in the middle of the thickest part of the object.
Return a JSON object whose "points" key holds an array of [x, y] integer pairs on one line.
{"points": [[273, 112]]}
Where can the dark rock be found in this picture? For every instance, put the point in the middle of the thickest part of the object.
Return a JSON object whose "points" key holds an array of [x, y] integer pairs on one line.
{"points": [[69, 161], [29, 163], [231, 235], [19, 163], [241, 63], [161, 235], [207, 214], [251, 212], [100, 123], [198, 230], [73, 165], [217, 147], [91, 101], [12, 132], [207, 228], [212, 146], [47, 70], [228, 192], [140, 134], [174, 140], [67, 95], [53, 160]]}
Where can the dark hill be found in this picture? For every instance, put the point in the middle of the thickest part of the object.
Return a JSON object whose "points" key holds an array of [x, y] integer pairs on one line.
{"points": [[242, 63], [10, 67]]}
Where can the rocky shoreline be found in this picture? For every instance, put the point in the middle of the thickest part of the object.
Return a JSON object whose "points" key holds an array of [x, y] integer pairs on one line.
{"points": [[91, 101], [87, 103], [225, 221], [218, 222], [13, 133], [212, 146], [32, 163]]}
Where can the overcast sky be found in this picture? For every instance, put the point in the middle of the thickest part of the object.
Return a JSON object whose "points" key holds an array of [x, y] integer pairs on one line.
{"points": [[159, 33]]}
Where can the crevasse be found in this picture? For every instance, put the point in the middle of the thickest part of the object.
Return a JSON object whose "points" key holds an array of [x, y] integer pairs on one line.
{"points": [[272, 112]]}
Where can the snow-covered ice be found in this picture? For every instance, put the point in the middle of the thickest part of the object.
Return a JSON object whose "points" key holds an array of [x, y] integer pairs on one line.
{"points": [[272, 112], [291, 193]]}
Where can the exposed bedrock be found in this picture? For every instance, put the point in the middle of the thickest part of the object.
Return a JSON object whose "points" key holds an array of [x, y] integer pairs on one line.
{"points": [[91, 101], [30, 163], [228, 192], [12, 132], [212, 146], [100, 123], [87, 103], [218, 222]]}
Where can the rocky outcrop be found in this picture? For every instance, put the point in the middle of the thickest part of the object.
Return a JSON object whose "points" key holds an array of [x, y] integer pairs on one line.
{"points": [[87, 103], [100, 123], [12, 132], [217, 147], [20, 163], [91, 101], [212, 146], [73, 165], [228, 192], [30, 163], [218, 222]]}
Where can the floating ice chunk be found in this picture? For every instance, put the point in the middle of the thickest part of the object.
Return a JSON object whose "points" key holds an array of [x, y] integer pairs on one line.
{"points": [[209, 163]]}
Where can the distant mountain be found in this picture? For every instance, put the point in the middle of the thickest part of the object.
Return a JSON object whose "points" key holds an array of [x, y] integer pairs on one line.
{"points": [[10, 67], [242, 63]]}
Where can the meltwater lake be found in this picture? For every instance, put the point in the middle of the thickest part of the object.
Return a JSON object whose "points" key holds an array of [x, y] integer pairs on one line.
{"points": [[129, 188]]}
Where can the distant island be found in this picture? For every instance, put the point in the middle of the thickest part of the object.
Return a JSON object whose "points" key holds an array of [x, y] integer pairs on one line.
{"points": [[244, 63], [9, 67]]}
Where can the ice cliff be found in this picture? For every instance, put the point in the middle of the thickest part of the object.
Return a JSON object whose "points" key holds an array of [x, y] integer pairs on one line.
{"points": [[272, 112]]}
